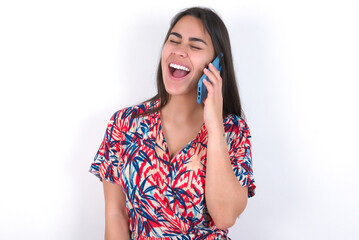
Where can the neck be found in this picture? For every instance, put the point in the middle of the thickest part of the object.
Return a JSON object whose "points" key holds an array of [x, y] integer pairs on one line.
{"points": [[183, 108]]}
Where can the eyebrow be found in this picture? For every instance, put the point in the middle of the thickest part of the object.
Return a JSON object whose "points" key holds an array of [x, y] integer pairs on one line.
{"points": [[194, 39]]}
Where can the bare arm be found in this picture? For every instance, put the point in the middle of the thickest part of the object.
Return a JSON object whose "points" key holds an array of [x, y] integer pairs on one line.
{"points": [[225, 197], [116, 219]]}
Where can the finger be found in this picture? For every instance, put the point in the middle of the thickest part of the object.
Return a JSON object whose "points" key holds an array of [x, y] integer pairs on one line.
{"points": [[209, 86], [212, 78], [216, 73], [215, 80], [214, 70]]}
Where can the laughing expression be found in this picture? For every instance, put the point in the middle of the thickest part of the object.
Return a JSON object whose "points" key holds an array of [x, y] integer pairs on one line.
{"points": [[187, 51]]}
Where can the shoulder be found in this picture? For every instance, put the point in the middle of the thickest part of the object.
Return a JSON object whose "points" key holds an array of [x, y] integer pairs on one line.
{"points": [[234, 124], [128, 114]]}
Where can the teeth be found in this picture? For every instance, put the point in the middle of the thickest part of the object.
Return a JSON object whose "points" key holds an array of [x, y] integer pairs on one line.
{"points": [[179, 67]]}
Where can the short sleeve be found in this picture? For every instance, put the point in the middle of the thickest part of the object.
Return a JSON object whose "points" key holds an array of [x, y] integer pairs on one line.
{"points": [[240, 153], [106, 165]]}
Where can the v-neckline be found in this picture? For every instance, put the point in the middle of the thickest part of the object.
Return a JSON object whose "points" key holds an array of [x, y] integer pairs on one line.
{"points": [[164, 139]]}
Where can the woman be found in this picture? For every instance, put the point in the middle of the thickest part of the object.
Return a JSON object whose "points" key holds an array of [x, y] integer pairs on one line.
{"points": [[173, 168]]}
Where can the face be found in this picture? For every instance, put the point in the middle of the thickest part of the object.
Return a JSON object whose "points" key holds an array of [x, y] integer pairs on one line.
{"points": [[187, 51]]}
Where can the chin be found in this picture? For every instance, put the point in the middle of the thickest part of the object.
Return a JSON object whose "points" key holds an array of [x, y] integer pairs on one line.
{"points": [[175, 92], [178, 91]]}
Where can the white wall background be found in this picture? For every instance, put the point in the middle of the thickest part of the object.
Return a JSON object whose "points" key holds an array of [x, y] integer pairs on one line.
{"points": [[67, 66]]}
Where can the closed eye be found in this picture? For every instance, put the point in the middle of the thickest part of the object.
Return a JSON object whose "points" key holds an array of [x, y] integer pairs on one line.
{"points": [[196, 48], [173, 41]]}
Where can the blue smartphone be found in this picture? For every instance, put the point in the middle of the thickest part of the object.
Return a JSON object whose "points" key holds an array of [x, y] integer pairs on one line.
{"points": [[201, 88]]}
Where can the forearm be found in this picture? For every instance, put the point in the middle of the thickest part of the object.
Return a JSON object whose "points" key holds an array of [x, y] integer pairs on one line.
{"points": [[225, 197], [117, 227]]}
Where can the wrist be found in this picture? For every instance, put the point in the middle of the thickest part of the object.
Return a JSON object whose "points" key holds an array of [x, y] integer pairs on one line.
{"points": [[217, 139], [216, 132]]}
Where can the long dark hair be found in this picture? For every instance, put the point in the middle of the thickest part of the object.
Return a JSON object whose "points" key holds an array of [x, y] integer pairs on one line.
{"points": [[221, 43]]}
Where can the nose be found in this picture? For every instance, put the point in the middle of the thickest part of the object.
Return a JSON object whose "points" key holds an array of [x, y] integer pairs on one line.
{"points": [[180, 50]]}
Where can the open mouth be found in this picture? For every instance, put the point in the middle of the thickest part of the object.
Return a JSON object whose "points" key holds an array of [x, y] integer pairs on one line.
{"points": [[178, 71]]}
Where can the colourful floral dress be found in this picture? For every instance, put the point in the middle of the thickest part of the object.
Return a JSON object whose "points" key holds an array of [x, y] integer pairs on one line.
{"points": [[165, 197]]}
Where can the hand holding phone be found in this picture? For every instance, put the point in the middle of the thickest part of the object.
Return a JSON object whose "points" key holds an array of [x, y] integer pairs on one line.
{"points": [[201, 88]]}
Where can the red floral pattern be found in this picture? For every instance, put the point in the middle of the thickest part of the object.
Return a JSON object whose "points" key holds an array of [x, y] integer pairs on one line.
{"points": [[165, 197]]}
